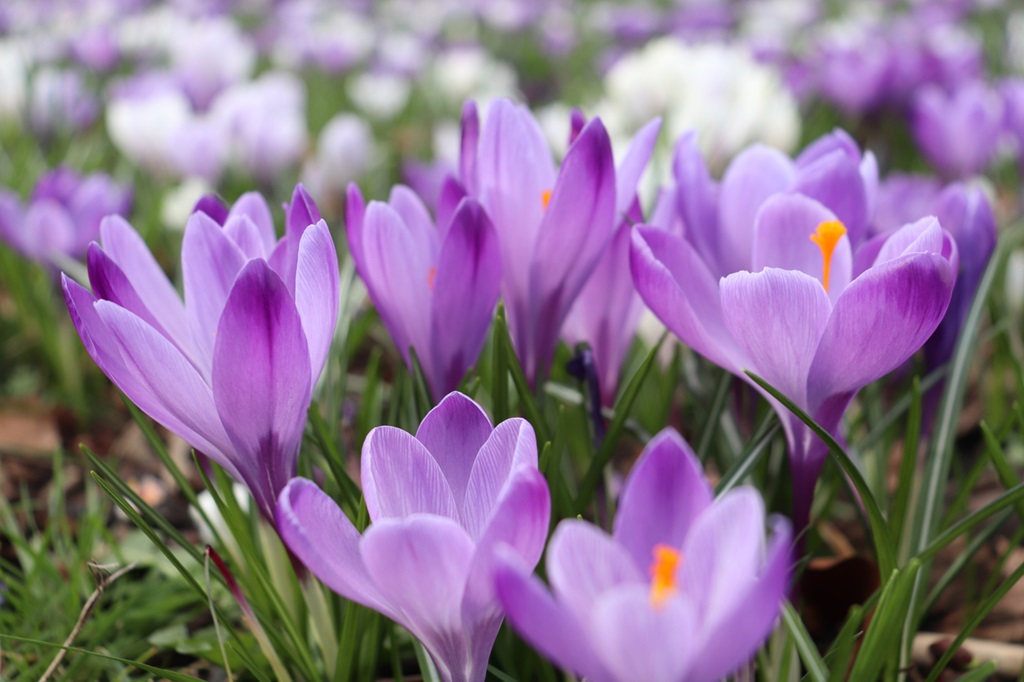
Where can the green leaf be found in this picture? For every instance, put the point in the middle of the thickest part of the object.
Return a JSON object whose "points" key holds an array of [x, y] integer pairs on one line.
{"points": [[527, 400], [816, 669], [908, 462], [756, 448], [881, 641], [884, 549]]}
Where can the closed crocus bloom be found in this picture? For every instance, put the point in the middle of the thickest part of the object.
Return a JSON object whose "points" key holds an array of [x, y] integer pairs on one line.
{"points": [[435, 286], [232, 369], [440, 503], [719, 218], [63, 214], [685, 589], [795, 315], [552, 223], [607, 310], [958, 132]]}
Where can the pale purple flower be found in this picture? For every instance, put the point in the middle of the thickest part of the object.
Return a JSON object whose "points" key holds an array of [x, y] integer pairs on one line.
{"points": [[63, 214], [791, 311], [552, 224], [435, 285], [607, 309], [61, 102], [685, 589], [232, 369], [958, 131], [440, 503]]}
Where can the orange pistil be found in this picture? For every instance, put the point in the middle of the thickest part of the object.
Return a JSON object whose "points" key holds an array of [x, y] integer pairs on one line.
{"points": [[826, 236], [431, 276], [663, 574], [545, 199]]}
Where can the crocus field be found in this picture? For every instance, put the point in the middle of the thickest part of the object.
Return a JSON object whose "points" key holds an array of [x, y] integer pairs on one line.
{"points": [[512, 340]]}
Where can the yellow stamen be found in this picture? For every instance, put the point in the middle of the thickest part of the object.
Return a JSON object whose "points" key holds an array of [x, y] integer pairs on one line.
{"points": [[545, 199], [663, 574], [431, 276], [826, 236]]}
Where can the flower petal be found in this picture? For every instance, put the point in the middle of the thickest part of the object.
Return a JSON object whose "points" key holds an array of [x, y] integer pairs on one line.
{"points": [[400, 477], [777, 317], [632, 166], [583, 562], [316, 531], [209, 263], [254, 206], [545, 624], [261, 378], [696, 201], [465, 293], [782, 239], [923, 236], [663, 495], [420, 564], [754, 175], [241, 229], [881, 319], [124, 245], [317, 292], [835, 180], [453, 433], [675, 284], [509, 447]]}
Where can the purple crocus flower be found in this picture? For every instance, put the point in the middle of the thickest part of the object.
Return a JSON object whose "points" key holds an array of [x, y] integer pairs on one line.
{"points": [[607, 310], [232, 369], [794, 314], [440, 503], [685, 587], [958, 131], [435, 286], [552, 225], [63, 214]]}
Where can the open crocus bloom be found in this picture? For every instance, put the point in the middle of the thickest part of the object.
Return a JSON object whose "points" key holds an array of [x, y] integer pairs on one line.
{"points": [[797, 318], [685, 588], [552, 224], [435, 286], [232, 369], [440, 503]]}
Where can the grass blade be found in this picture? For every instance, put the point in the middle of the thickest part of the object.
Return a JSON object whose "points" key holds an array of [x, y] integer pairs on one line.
{"points": [[816, 669]]}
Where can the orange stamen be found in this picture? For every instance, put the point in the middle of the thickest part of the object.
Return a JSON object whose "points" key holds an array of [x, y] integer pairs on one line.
{"points": [[431, 276], [663, 574], [826, 236], [545, 199]]}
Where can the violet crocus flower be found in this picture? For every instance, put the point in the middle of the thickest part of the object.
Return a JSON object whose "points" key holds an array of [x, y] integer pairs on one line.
{"points": [[607, 310], [794, 314], [440, 503], [232, 369], [684, 589], [958, 131], [62, 215], [435, 286], [552, 224]]}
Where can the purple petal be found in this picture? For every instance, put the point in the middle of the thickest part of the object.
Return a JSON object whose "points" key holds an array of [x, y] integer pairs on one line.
{"points": [[317, 292], [545, 624], [510, 447], [470, 144], [465, 293], [835, 181], [638, 642], [301, 213], [47, 230], [241, 229], [209, 263], [777, 317], [451, 196], [583, 562], [421, 564], [411, 208], [754, 175], [261, 378], [453, 433], [253, 205], [632, 166], [663, 494], [782, 239], [923, 236], [696, 200], [124, 245], [400, 477], [317, 532], [211, 205], [150, 371], [881, 319], [738, 637], [675, 284]]}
